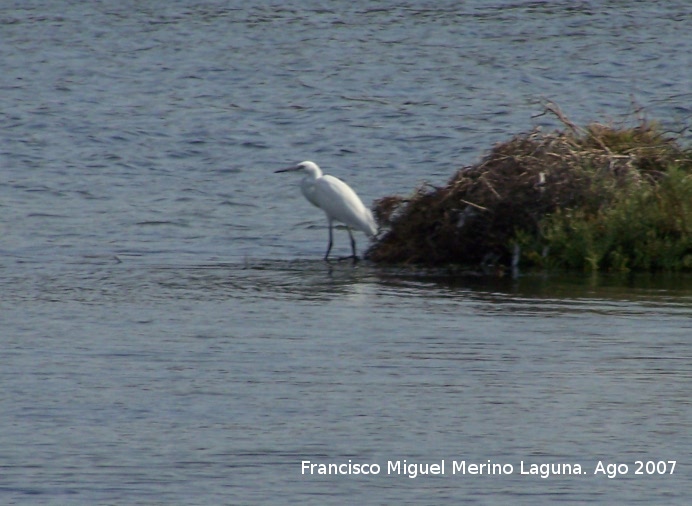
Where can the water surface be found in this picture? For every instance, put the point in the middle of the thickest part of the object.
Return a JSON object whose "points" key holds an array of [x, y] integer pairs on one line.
{"points": [[169, 333]]}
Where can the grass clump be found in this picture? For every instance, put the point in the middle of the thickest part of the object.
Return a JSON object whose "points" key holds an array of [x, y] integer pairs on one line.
{"points": [[596, 198], [645, 227]]}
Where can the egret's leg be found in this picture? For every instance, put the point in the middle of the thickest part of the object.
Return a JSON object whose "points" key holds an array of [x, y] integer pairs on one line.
{"points": [[329, 247], [353, 242]]}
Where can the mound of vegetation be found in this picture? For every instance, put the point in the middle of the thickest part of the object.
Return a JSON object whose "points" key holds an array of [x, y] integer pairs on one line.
{"points": [[594, 198]]}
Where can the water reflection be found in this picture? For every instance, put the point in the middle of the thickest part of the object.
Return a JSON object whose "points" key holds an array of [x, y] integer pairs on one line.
{"points": [[543, 292], [106, 281], [539, 294]]}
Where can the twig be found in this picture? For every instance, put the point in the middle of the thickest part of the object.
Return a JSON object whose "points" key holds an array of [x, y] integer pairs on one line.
{"points": [[554, 109], [490, 186], [475, 205]]}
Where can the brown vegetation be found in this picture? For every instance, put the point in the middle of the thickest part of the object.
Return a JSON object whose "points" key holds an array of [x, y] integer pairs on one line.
{"points": [[509, 205]]}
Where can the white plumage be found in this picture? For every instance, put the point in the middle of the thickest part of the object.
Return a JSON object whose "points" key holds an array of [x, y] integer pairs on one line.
{"points": [[338, 201]]}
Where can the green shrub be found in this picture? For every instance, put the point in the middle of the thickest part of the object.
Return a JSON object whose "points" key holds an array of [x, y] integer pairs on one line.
{"points": [[646, 226]]}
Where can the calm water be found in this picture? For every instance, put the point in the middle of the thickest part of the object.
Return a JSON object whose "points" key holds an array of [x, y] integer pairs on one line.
{"points": [[169, 333]]}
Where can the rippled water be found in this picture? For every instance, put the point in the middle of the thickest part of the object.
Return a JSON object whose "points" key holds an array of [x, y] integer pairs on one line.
{"points": [[169, 334]]}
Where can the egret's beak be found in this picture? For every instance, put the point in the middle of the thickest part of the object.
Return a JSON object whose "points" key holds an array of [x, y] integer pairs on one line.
{"points": [[288, 169]]}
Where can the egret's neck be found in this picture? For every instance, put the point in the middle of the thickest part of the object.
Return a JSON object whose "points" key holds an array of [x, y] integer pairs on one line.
{"points": [[312, 172]]}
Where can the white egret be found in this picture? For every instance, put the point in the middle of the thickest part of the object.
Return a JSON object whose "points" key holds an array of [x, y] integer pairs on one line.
{"points": [[338, 201]]}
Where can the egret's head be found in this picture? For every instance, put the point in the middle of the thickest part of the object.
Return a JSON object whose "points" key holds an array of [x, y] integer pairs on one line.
{"points": [[306, 167]]}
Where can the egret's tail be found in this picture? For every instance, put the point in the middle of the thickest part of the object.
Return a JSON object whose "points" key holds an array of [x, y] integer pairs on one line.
{"points": [[371, 229]]}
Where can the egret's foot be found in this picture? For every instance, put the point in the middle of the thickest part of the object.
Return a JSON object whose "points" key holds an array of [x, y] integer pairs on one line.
{"points": [[354, 258]]}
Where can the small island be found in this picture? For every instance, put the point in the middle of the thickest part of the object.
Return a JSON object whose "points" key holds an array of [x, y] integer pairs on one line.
{"points": [[594, 198]]}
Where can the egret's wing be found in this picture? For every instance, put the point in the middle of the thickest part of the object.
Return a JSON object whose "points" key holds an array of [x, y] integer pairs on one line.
{"points": [[341, 203], [308, 188]]}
